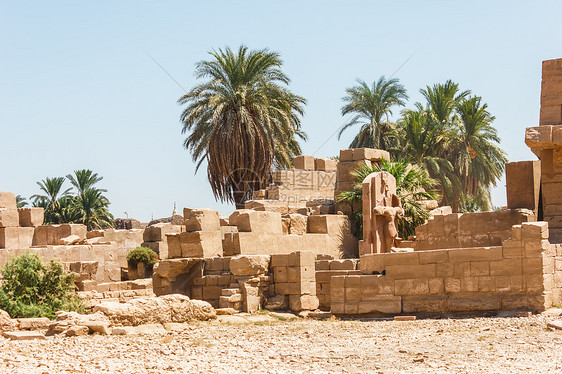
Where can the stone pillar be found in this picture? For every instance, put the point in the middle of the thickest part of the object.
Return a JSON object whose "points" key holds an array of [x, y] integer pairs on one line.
{"points": [[381, 207], [546, 142]]}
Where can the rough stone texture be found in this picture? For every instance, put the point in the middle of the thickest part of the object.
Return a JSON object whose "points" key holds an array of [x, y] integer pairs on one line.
{"points": [[200, 244], [52, 234], [33, 323], [249, 265], [23, 335], [163, 309], [259, 222], [265, 343], [6, 322], [16, 237], [69, 240], [66, 320]]}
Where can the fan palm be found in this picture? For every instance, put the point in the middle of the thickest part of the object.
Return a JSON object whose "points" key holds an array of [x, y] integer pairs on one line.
{"points": [[242, 120], [370, 107], [52, 199]]}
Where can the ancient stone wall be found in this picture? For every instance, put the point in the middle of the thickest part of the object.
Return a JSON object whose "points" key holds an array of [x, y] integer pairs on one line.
{"points": [[521, 274], [325, 270], [546, 142], [463, 230]]}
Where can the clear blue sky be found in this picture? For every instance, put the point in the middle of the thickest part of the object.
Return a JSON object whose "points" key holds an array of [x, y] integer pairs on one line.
{"points": [[78, 89]]}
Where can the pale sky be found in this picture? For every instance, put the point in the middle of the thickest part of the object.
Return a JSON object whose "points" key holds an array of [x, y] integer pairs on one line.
{"points": [[78, 88]]}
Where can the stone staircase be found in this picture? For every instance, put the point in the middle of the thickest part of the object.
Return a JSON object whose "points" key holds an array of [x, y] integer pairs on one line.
{"points": [[231, 297]]}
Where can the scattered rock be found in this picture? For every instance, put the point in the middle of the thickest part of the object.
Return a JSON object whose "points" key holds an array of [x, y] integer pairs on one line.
{"points": [[225, 311], [33, 323], [319, 315], [97, 326], [6, 322], [119, 331], [555, 325], [162, 309], [404, 318], [77, 330], [69, 240], [23, 335], [65, 320]]}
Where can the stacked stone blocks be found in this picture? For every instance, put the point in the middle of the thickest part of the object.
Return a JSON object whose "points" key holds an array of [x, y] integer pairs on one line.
{"points": [[520, 274]]}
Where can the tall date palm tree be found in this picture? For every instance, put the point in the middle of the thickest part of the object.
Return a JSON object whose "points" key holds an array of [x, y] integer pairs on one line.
{"points": [[241, 120]]}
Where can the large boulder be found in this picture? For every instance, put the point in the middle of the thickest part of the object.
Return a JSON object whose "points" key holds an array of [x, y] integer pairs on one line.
{"points": [[249, 265], [163, 309], [6, 322]]}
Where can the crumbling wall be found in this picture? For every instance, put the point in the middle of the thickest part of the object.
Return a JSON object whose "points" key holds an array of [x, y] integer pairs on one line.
{"points": [[520, 274], [311, 179], [463, 230]]}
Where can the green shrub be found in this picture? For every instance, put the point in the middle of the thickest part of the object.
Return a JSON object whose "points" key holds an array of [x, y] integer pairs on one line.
{"points": [[142, 254], [33, 289]]}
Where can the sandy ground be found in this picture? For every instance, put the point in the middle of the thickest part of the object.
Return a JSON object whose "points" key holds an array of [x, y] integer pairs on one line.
{"points": [[272, 344]]}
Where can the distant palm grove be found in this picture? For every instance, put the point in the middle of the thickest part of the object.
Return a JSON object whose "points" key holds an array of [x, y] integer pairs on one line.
{"points": [[243, 121], [82, 203]]}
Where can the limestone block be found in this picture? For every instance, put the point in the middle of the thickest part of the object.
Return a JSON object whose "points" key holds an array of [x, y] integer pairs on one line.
{"points": [[260, 222], [158, 232], [523, 184], [304, 162], [9, 217], [550, 115], [538, 137], [346, 168], [332, 224], [201, 244], [326, 164], [8, 200], [370, 154], [16, 237], [411, 287], [31, 217], [410, 271], [249, 265], [201, 219]]}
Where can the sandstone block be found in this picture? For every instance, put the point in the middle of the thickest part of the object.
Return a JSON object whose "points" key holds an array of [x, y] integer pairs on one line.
{"points": [[508, 266], [201, 244], [248, 265], [298, 224], [424, 304], [538, 137], [476, 254], [452, 285], [392, 305], [325, 164], [31, 217], [298, 303], [479, 268], [304, 162], [174, 245], [372, 263], [16, 237], [433, 257], [410, 271], [534, 230], [8, 200], [280, 260], [158, 232], [347, 264], [260, 222], [159, 247], [474, 301], [301, 259], [411, 287], [201, 220], [9, 217]]}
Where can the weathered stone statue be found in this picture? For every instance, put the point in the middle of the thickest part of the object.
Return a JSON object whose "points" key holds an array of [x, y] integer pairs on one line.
{"points": [[381, 208]]}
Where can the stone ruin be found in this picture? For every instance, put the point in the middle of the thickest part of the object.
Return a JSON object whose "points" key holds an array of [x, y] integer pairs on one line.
{"points": [[292, 246]]}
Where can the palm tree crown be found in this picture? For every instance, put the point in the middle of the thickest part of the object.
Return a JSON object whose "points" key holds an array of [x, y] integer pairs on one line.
{"points": [[242, 120], [370, 105]]}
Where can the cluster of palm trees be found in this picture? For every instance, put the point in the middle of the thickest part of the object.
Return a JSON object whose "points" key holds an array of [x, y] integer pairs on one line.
{"points": [[82, 203], [450, 136], [242, 120]]}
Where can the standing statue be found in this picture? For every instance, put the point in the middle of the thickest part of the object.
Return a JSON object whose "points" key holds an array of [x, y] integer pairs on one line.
{"points": [[381, 208]]}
